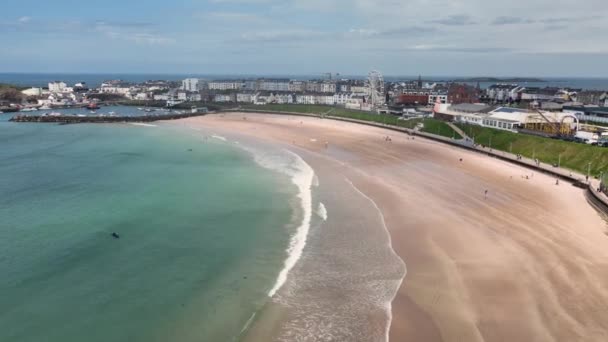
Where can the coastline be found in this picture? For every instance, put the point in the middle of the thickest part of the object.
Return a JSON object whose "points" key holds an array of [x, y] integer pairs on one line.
{"points": [[461, 264]]}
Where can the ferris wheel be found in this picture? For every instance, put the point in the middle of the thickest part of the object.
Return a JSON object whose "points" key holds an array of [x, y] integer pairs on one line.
{"points": [[375, 82]]}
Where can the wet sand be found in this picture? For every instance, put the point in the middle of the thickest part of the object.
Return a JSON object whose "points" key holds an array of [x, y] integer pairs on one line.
{"points": [[527, 262]]}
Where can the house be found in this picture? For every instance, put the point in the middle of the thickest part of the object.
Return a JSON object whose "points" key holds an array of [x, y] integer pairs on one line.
{"points": [[306, 98], [224, 98], [244, 97]]}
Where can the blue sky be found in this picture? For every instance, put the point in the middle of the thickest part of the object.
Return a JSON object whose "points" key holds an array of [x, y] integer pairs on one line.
{"points": [[398, 37]]}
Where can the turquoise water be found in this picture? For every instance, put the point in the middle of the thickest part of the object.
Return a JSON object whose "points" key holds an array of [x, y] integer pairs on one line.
{"points": [[203, 234]]}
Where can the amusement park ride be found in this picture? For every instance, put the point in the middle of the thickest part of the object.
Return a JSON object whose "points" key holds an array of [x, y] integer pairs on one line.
{"points": [[563, 126], [375, 83]]}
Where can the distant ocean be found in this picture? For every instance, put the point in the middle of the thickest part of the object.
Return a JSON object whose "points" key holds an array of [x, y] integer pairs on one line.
{"points": [[204, 232], [94, 80]]}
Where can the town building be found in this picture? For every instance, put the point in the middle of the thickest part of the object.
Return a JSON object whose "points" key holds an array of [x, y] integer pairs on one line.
{"points": [[224, 98], [226, 85], [57, 87], [245, 97], [341, 98], [592, 97], [529, 94], [328, 87], [435, 97], [32, 92], [501, 93], [462, 93], [297, 86], [588, 113], [191, 84], [413, 98], [274, 85]]}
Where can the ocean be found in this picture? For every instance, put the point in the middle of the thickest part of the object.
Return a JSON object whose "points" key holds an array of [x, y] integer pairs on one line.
{"points": [[208, 231], [94, 80]]}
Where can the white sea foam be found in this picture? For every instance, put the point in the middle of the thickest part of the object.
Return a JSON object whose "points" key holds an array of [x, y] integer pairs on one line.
{"points": [[388, 307], [218, 137], [142, 124], [322, 211], [302, 175]]}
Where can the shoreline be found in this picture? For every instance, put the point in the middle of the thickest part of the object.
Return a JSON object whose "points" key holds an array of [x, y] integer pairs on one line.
{"points": [[461, 262]]}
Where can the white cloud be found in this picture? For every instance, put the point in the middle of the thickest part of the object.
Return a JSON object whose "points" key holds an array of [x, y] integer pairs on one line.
{"points": [[24, 20]]}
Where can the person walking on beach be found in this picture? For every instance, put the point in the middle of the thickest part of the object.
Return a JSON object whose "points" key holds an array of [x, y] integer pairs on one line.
{"points": [[485, 195]]}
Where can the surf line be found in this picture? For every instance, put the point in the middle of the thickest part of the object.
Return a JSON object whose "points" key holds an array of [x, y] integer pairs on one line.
{"points": [[389, 306], [303, 179]]}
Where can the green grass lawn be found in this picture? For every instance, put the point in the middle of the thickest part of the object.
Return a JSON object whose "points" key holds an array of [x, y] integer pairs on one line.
{"points": [[574, 156], [430, 125]]}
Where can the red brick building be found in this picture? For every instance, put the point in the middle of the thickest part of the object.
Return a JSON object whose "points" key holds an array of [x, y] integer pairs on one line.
{"points": [[463, 93], [413, 99]]}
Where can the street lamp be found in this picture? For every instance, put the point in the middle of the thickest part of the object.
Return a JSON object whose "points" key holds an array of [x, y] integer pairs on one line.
{"points": [[559, 160]]}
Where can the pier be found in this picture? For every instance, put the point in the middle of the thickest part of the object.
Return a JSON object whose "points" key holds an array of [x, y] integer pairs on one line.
{"points": [[73, 119]]}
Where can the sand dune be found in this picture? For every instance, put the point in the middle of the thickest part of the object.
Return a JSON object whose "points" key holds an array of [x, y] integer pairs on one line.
{"points": [[527, 262]]}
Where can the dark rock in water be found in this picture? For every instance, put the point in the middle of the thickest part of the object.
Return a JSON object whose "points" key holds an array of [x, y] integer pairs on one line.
{"points": [[189, 150], [115, 235]]}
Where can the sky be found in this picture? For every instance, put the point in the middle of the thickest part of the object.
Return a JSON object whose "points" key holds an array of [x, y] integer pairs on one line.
{"points": [[528, 38]]}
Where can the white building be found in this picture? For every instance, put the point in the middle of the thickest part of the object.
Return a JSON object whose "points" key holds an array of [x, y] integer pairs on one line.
{"points": [[274, 85], [443, 98], [297, 86], [223, 98], [161, 97], [328, 87], [355, 103], [141, 96], [244, 97], [341, 98], [57, 87], [226, 85], [32, 92], [191, 84], [116, 88], [305, 99], [360, 90]]}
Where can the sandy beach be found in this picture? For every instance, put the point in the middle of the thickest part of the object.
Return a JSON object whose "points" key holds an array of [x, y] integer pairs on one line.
{"points": [[528, 261]]}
